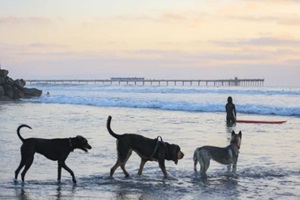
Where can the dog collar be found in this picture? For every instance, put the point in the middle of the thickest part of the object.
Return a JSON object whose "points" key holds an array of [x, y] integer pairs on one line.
{"points": [[235, 145], [70, 141]]}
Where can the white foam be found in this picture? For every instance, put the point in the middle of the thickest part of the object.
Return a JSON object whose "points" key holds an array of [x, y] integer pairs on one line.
{"points": [[270, 101]]}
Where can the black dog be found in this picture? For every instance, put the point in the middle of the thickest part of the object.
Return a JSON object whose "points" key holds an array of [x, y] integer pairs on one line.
{"points": [[148, 149], [53, 149]]}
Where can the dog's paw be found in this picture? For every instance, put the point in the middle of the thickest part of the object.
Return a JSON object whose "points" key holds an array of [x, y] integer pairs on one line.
{"points": [[231, 174], [203, 176]]}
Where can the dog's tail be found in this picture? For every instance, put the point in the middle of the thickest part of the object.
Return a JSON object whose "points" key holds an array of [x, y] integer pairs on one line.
{"points": [[195, 160], [195, 156], [109, 129], [18, 131]]}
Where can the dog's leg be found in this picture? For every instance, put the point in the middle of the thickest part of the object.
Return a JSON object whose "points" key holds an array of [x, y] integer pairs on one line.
{"points": [[163, 167], [234, 168], [204, 161], [229, 167], [123, 156], [63, 165], [27, 153], [201, 162], [22, 163], [234, 165], [124, 163], [118, 164], [207, 165], [204, 166], [124, 170], [58, 172], [113, 169], [143, 162], [27, 166]]}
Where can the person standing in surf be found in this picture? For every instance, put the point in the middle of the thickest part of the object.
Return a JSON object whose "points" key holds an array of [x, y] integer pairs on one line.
{"points": [[230, 111]]}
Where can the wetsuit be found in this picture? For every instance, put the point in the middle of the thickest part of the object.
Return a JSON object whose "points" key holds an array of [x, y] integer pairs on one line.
{"points": [[231, 112]]}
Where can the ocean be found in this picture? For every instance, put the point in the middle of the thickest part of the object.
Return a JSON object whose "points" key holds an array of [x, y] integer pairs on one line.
{"points": [[190, 116]]}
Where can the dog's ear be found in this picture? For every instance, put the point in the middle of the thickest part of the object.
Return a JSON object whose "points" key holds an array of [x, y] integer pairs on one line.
{"points": [[176, 149], [175, 153], [80, 139], [171, 152], [232, 133], [240, 134]]}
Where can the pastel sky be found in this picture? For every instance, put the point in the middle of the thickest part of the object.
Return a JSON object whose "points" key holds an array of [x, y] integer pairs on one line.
{"points": [[190, 39]]}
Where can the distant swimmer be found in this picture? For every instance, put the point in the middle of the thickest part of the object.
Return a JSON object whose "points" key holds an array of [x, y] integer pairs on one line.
{"points": [[48, 94], [230, 111]]}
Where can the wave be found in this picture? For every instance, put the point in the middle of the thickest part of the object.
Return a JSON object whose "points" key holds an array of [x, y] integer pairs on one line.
{"points": [[167, 104], [252, 100]]}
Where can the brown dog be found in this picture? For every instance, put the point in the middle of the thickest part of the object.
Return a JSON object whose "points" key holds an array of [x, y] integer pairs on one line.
{"points": [[148, 149], [53, 149]]}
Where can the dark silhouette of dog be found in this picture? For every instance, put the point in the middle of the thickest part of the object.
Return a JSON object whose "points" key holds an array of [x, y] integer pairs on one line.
{"points": [[57, 149], [148, 149]]}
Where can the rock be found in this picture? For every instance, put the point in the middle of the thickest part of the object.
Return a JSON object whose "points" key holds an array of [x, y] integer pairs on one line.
{"points": [[5, 98], [2, 80], [32, 92], [8, 91], [20, 83], [9, 80], [3, 73], [17, 93], [14, 89], [2, 93]]}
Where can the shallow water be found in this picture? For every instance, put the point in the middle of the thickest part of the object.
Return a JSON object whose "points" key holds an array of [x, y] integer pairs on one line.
{"points": [[268, 166]]}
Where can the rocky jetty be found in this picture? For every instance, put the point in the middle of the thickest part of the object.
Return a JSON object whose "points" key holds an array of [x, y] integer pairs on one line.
{"points": [[15, 89]]}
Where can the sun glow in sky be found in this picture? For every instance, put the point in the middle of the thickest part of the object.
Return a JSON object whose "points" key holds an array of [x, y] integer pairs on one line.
{"points": [[190, 39]]}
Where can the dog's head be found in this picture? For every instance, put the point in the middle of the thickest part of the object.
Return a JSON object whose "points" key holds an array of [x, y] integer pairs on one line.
{"points": [[173, 152], [236, 139], [82, 143]]}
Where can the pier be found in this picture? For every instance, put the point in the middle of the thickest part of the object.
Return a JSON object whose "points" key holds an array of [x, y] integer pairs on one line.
{"points": [[157, 82]]}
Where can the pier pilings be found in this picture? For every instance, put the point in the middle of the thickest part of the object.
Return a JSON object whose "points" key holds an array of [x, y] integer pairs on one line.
{"points": [[158, 82]]}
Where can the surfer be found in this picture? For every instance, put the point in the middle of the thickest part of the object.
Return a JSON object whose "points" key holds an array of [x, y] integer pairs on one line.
{"points": [[230, 111]]}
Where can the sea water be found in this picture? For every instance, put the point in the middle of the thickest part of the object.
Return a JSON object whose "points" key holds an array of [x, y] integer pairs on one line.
{"points": [[268, 165]]}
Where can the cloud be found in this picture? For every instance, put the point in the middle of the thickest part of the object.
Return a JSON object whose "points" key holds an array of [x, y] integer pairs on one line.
{"points": [[20, 20], [273, 1], [283, 20], [164, 17], [261, 41], [294, 62], [46, 46], [283, 12], [52, 52], [32, 48], [172, 17]]}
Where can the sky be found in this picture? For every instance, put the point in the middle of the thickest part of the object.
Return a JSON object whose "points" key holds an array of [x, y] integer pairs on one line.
{"points": [[165, 39]]}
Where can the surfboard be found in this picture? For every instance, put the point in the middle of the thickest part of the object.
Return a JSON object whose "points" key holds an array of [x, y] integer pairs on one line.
{"points": [[259, 121]]}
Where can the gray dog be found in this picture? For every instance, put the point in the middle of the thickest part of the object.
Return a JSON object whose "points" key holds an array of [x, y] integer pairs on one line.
{"points": [[227, 156]]}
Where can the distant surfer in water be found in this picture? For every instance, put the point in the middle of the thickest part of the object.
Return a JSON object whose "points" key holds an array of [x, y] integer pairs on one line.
{"points": [[230, 111]]}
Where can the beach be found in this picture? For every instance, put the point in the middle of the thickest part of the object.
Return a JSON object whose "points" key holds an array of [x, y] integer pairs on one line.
{"points": [[268, 165]]}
